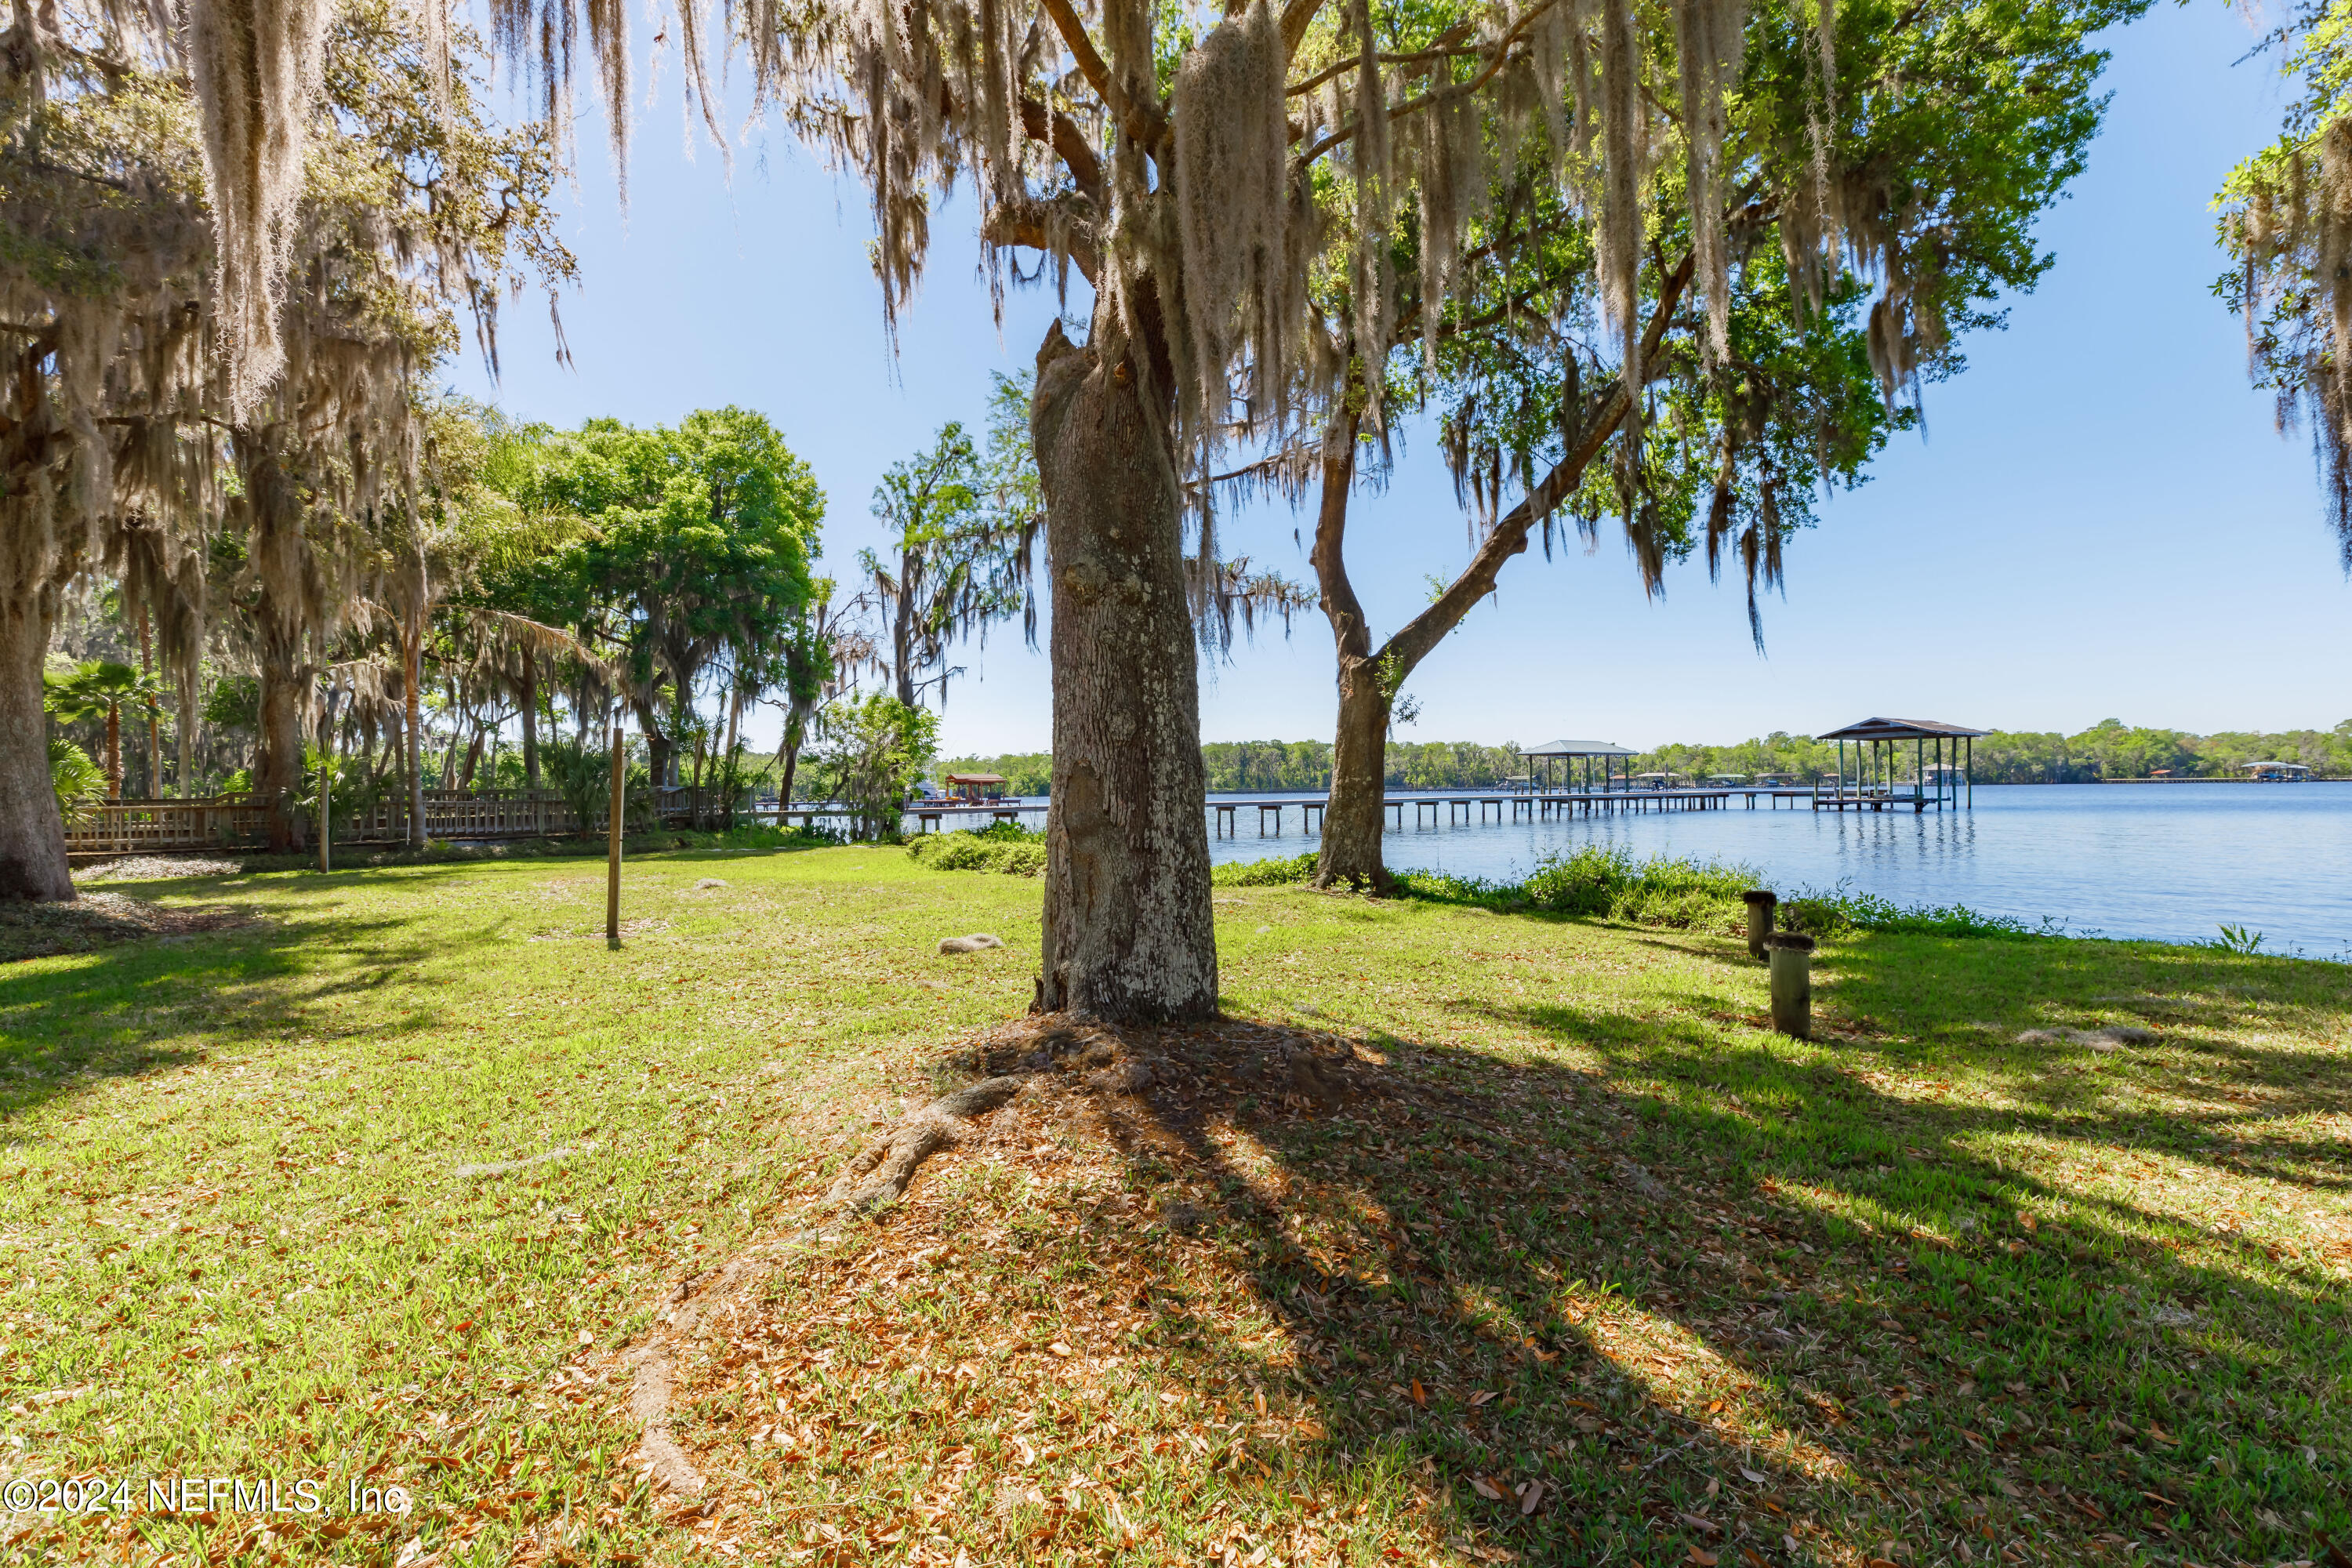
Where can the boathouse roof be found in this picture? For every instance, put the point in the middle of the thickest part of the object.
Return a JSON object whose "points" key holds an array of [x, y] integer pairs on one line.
{"points": [[1900, 730], [1577, 749]]}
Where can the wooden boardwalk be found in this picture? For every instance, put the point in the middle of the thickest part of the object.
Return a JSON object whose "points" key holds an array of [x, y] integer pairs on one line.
{"points": [[236, 822]]}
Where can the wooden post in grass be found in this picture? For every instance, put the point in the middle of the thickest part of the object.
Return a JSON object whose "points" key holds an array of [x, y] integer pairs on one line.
{"points": [[1760, 905], [613, 850], [1793, 982]]}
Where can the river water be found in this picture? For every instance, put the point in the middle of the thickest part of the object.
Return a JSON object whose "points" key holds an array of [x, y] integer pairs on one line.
{"points": [[2172, 862]]}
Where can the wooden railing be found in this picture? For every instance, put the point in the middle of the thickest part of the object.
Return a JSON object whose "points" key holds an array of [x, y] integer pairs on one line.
{"points": [[240, 822]]}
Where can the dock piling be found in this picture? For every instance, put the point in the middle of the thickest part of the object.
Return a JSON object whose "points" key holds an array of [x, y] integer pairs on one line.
{"points": [[1792, 984], [1760, 902]]}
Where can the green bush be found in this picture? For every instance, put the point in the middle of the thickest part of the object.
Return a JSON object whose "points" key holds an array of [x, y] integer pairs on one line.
{"points": [[1838, 913], [1001, 846], [1599, 882], [1264, 873]]}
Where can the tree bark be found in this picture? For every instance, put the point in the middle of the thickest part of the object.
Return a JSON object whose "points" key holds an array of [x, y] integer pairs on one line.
{"points": [[529, 719], [184, 730], [457, 717], [1128, 932], [114, 751], [796, 720], [412, 668], [32, 830], [727, 768], [473, 757], [658, 747], [1357, 813], [902, 627], [277, 770]]}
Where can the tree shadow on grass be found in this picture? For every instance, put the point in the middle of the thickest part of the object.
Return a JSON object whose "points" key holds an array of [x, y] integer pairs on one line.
{"points": [[154, 1003], [1798, 1329]]}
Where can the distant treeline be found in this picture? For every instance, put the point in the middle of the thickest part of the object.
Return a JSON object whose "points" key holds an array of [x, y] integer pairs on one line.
{"points": [[2108, 749], [1286, 765]]}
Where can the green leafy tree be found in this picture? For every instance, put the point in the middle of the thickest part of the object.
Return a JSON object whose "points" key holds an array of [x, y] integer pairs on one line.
{"points": [[697, 546], [1755, 370]]}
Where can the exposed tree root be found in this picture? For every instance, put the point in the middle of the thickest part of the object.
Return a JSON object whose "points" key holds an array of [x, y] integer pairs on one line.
{"points": [[880, 1175]]}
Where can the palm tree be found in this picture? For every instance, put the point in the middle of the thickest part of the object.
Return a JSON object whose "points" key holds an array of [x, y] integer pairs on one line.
{"points": [[99, 689]]}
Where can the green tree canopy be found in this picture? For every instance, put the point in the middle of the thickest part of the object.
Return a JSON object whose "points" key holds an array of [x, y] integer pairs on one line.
{"points": [[697, 544]]}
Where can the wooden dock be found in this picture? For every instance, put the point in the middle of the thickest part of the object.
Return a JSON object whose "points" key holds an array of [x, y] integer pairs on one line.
{"points": [[238, 822], [1473, 807]]}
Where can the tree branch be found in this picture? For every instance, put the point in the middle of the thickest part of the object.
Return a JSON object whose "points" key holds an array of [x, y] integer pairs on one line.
{"points": [[1414, 639], [1414, 105], [1145, 123], [1069, 143], [1297, 17], [1329, 557], [1030, 224]]}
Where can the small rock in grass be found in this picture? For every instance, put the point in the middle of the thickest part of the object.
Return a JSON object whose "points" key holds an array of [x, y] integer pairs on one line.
{"points": [[978, 941]]}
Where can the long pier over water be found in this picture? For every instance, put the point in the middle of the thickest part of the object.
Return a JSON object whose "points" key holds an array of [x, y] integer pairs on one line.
{"points": [[1437, 807]]}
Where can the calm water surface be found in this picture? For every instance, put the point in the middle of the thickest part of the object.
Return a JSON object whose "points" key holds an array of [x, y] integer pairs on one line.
{"points": [[2171, 862]]}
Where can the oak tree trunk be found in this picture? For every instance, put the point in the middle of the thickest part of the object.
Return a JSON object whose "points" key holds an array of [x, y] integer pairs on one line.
{"points": [[277, 770], [412, 662], [184, 729], [1357, 813], [658, 747], [1128, 927], [32, 830], [1371, 678], [796, 731], [114, 751], [154, 728], [1356, 816]]}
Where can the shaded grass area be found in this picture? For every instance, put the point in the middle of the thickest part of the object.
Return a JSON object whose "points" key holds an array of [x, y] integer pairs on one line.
{"points": [[1918, 1292]]}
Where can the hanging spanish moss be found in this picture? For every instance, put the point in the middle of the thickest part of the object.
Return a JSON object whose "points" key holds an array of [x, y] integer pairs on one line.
{"points": [[1619, 231], [1371, 165], [1232, 202], [254, 65], [2291, 226], [1708, 53]]}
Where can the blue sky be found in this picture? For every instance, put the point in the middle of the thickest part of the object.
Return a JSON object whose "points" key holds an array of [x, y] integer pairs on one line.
{"points": [[2100, 520]]}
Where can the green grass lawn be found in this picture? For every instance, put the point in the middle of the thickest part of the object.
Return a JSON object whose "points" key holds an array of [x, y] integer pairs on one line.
{"points": [[371, 1179]]}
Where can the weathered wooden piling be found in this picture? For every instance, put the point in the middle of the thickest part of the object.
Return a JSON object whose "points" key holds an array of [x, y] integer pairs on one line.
{"points": [[1761, 902], [612, 844], [1793, 982]]}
